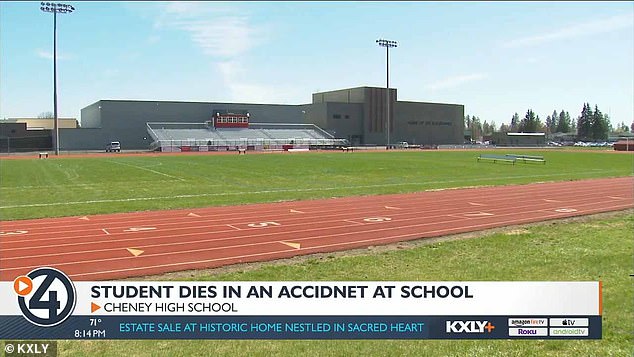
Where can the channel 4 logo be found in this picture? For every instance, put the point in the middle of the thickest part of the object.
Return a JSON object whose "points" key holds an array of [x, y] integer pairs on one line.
{"points": [[46, 296]]}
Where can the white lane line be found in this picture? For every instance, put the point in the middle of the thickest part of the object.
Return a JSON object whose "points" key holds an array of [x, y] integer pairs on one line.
{"points": [[443, 231], [13, 233], [105, 231], [502, 223], [435, 213], [280, 191]]}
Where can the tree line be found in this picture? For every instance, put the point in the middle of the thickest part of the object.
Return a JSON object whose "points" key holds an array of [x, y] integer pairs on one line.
{"points": [[590, 125]]}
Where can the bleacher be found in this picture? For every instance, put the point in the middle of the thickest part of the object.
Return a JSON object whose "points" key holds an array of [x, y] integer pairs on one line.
{"points": [[173, 136]]}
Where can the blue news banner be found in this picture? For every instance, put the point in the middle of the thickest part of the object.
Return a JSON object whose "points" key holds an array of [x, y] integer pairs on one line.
{"points": [[305, 327]]}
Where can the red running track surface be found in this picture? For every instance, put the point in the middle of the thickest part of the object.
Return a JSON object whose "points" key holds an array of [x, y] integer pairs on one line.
{"points": [[113, 246]]}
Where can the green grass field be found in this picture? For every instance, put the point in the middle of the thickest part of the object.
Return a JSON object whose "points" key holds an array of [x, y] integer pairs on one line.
{"points": [[583, 250], [77, 186]]}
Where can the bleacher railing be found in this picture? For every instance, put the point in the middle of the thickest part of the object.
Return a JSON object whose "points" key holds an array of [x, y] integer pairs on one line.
{"points": [[214, 144]]}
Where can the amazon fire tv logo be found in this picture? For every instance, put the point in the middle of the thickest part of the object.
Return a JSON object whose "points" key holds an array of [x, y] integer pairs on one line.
{"points": [[469, 327]]}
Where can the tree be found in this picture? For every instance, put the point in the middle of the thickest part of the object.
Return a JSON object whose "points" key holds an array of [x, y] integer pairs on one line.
{"points": [[485, 128], [584, 123], [608, 122], [600, 125], [622, 128], [488, 129], [549, 122], [46, 115], [530, 123], [515, 122], [563, 123], [552, 126], [476, 128], [504, 128]]}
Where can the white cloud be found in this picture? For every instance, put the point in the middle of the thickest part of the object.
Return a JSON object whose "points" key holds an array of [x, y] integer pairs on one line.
{"points": [[234, 75], [609, 24], [217, 29], [456, 81], [227, 36]]}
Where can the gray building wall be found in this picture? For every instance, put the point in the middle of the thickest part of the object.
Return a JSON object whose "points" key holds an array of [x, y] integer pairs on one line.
{"points": [[414, 122], [344, 121], [428, 123], [91, 116], [84, 139], [125, 121], [356, 114]]}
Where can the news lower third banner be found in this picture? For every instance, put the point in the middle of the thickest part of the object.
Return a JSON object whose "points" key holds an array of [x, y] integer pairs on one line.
{"points": [[46, 304]]}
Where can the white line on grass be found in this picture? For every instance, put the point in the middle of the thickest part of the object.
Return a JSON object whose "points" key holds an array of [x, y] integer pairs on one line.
{"points": [[146, 169], [276, 191]]}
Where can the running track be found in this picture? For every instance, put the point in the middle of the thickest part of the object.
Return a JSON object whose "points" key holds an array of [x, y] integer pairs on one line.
{"points": [[116, 246]]}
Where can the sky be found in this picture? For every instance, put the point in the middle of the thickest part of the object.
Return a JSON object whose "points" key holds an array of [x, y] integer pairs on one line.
{"points": [[495, 58]]}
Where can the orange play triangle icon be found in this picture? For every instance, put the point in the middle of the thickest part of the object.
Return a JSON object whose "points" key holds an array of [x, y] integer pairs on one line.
{"points": [[94, 307]]}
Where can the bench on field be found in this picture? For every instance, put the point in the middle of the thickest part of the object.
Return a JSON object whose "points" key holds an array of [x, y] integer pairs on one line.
{"points": [[496, 158], [43, 155], [242, 151], [528, 158]]}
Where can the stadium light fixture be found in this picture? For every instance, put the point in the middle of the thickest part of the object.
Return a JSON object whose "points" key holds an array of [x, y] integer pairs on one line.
{"points": [[55, 8], [387, 44]]}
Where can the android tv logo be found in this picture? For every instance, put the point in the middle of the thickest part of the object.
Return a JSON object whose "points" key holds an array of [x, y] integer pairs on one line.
{"points": [[46, 296]]}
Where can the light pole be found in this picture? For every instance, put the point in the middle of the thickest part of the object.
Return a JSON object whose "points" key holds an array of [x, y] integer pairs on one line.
{"points": [[387, 44], [55, 8]]}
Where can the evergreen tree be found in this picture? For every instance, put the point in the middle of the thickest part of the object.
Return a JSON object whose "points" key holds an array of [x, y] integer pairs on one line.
{"points": [[485, 128], [552, 128], [599, 125], [622, 128], [515, 122], [476, 128], [572, 125], [608, 123], [584, 123], [530, 123], [563, 123]]}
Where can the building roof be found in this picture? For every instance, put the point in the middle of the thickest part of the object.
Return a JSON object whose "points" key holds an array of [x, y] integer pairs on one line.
{"points": [[526, 134]]}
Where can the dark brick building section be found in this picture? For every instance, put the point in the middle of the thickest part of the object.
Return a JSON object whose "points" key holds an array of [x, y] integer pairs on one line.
{"points": [[14, 137]]}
